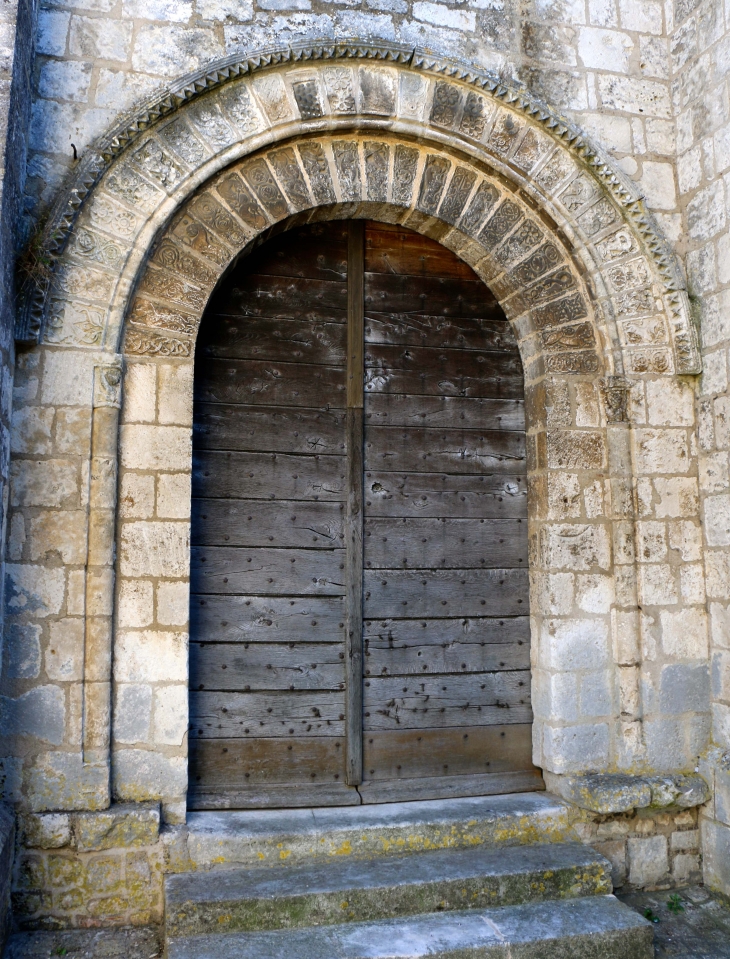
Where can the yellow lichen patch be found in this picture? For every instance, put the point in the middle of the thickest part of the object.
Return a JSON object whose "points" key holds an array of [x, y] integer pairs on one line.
{"points": [[285, 853], [222, 919], [345, 849]]}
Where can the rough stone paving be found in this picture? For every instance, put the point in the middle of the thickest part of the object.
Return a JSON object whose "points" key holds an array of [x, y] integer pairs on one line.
{"points": [[612, 261]]}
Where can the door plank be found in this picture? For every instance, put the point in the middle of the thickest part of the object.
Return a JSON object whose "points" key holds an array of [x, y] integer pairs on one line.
{"points": [[222, 426], [445, 593], [272, 795], [489, 332], [448, 451], [268, 714], [384, 660], [451, 297], [267, 619], [474, 366], [270, 383], [221, 666], [451, 787], [281, 524], [442, 495], [242, 763], [402, 252], [462, 750], [233, 475], [444, 543], [222, 569], [279, 340], [285, 297], [404, 633], [445, 412]]}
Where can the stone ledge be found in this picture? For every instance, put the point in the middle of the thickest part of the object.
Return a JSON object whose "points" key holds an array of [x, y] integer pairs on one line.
{"points": [[616, 792], [123, 825]]}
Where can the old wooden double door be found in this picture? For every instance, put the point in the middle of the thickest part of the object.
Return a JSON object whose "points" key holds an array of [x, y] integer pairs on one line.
{"points": [[359, 597]]}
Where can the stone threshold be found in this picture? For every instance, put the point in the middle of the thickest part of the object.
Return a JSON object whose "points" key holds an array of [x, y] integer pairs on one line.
{"points": [[608, 793], [278, 836]]}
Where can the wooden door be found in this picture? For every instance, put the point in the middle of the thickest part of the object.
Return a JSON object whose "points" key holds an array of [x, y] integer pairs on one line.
{"points": [[359, 606]]}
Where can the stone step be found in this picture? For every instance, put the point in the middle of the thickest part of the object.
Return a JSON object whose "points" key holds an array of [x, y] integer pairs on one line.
{"points": [[356, 891], [269, 836], [598, 927]]}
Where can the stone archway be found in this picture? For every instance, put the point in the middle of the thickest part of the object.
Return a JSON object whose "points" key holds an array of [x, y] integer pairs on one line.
{"points": [[249, 147]]}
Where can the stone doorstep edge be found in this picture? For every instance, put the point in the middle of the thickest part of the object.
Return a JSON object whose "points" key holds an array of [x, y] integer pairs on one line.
{"points": [[617, 792], [122, 825]]}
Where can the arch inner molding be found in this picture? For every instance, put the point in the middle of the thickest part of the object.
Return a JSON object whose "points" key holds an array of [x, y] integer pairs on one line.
{"points": [[169, 198]]}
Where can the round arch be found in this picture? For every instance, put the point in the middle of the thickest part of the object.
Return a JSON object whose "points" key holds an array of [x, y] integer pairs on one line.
{"points": [[250, 147]]}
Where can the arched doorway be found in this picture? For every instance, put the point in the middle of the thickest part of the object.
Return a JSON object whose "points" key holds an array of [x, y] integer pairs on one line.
{"points": [[359, 587]]}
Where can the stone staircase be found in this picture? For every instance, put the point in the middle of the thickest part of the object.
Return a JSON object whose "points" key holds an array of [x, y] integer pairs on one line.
{"points": [[493, 877]]}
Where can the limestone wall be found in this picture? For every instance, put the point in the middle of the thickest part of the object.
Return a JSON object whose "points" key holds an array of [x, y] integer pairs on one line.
{"points": [[701, 94]]}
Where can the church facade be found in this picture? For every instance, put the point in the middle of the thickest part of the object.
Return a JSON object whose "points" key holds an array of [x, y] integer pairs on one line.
{"points": [[364, 428]]}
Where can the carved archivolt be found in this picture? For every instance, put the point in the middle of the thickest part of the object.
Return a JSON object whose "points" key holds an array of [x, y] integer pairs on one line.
{"points": [[172, 197]]}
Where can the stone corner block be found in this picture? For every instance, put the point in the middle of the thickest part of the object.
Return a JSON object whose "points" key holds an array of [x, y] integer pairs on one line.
{"points": [[61, 781], [618, 792], [603, 792], [123, 824]]}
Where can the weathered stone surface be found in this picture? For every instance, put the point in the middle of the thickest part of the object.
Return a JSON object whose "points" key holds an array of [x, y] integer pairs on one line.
{"points": [[123, 825], [46, 830]]}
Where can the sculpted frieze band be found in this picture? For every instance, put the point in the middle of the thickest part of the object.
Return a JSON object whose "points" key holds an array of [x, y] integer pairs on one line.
{"points": [[235, 108]]}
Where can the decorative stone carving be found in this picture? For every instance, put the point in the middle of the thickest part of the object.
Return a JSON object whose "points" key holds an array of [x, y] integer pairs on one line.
{"points": [[377, 162], [108, 384], [264, 186], [485, 196], [404, 174], [568, 310], [241, 201], [568, 338], [74, 324], [457, 194], [284, 163], [537, 264], [579, 192], [198, 238], [629, 275], [139, 341], [504, 219], [347, 162], [170, 256], [524, 239], [206, 209], [318, 171], [616, 392], [635, 303], [306, 94], [433, 181], [650, 361], [137, 162], [113, 219], [648, 331], [146, 313], [577, 363], [446, 104], [339, 84], [90, 246]]}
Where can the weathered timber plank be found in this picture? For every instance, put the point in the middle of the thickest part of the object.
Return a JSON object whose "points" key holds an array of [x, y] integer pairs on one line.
{"points": [[469, 366], [267, 619], [258, 429], [286, 297], [420, 633], [320, 341], [223, 569], [220, 666], [451, 787], [317, 251], [462, 750], [443, 332], [233, 475], [415, 543], [281, 524], [448, 451], [354, 518], [480, 699], [444, 412], [429, 659], [441, 495], [389, 293], [405, 253], [263, 383], [277, 714], [445, 593], [424, 383], [242, 763], [274, 796]]}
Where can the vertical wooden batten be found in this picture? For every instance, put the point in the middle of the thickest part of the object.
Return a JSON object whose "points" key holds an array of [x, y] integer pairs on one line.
{"points": [[354, 519]]}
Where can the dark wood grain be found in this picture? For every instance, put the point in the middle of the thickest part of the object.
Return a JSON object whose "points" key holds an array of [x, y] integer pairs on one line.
{"points": [[321, 342], [266, 666], [448, 451], [284, 297], [271, 476], [444, 412], [392, 293], [269, 795], [260, 429], [282, 523], [218, 715], [445, 593], [270, 383], [242, 763], [450, 787], [491, 496], [459, 751], [397, 634], [490, 332], [267, 619], [415, 543], [436, 658], [394, 250], [223, 569]]}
